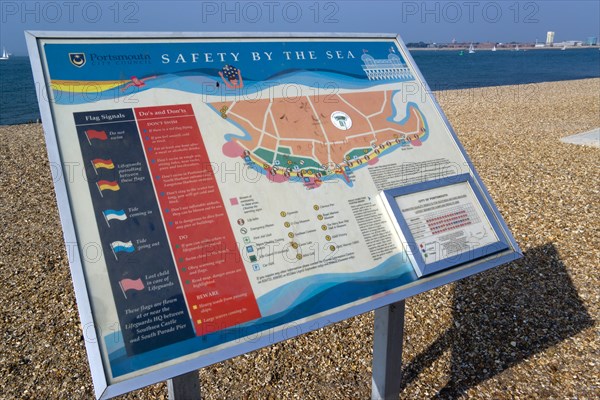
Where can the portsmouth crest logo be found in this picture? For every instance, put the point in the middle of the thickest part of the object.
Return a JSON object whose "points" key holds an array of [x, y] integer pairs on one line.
{"points": [[77, 59]]}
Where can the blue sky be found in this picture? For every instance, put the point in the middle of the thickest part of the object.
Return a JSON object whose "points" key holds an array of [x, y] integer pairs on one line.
{"points": [[429, 21]]}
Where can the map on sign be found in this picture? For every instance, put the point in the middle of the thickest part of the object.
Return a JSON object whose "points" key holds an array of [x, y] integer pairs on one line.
{"points": [[320, 138], [231, 187]]}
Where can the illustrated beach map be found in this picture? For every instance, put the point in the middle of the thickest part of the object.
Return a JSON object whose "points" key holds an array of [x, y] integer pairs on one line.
{"points": [[231, 188], [313, 141]]}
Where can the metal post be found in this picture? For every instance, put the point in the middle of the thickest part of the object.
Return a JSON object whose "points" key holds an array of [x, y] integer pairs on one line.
{"points": [[387, 352], [184, 387]]}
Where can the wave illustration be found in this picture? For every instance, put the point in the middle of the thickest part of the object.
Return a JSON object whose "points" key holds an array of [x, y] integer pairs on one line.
{"points": [[310, 296], [322, 297], [210, 84], [294, 293]]}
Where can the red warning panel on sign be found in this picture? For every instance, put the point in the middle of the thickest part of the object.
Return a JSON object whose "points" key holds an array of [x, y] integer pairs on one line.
{"points": [[209, 263]]}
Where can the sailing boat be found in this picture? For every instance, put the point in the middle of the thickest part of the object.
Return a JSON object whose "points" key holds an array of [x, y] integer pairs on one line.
{"points": [[471, 49], [494, 48], [564, 47], [517, 47], [5, 55]]}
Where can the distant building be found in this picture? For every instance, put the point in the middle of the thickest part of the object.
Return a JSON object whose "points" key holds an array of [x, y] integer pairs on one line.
{"points": [[391, 67], [592, 41], [550, 38], [569, 43], [486, 45]]}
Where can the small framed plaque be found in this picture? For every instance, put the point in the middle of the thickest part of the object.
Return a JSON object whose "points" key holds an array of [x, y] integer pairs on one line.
{"points": [[443, 223]]}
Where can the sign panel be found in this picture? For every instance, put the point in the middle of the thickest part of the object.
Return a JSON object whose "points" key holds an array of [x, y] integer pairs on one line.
{"points": [[223, 191], [443, 223]]}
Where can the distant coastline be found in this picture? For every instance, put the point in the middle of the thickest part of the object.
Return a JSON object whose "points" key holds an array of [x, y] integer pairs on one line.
{"points": [[521, 48]]}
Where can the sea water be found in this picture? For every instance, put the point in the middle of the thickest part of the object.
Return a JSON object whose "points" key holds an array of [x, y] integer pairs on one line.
{"points": [[442, 69]]}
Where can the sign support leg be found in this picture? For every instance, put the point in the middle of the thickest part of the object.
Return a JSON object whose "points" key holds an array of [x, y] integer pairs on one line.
{"points": [[185, 387], [387, 352]]}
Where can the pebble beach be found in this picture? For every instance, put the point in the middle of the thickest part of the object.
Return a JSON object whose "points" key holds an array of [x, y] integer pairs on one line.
{"points": [[528, 329]]}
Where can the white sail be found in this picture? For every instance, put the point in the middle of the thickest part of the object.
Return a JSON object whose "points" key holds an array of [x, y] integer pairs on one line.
{"points": [[471, 49], [5, 54]]}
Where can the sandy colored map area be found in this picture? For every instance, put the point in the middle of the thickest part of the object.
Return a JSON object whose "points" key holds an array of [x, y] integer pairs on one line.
{"points": [[291, 136]]}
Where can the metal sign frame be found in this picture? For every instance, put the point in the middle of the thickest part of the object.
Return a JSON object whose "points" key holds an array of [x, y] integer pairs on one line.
{"points": [[416, 255], [102, 385]]}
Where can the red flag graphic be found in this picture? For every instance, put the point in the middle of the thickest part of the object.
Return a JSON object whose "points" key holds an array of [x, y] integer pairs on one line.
{"points": [[131, 284], [93, 134]]}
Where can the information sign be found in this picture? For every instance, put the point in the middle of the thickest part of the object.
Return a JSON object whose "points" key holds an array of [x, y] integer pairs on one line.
{"points": [[443, 223], [223, 191]]}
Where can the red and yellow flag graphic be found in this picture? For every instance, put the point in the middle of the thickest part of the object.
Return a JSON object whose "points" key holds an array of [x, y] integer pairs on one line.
{"points": [[108, 185], [101, 163]]}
